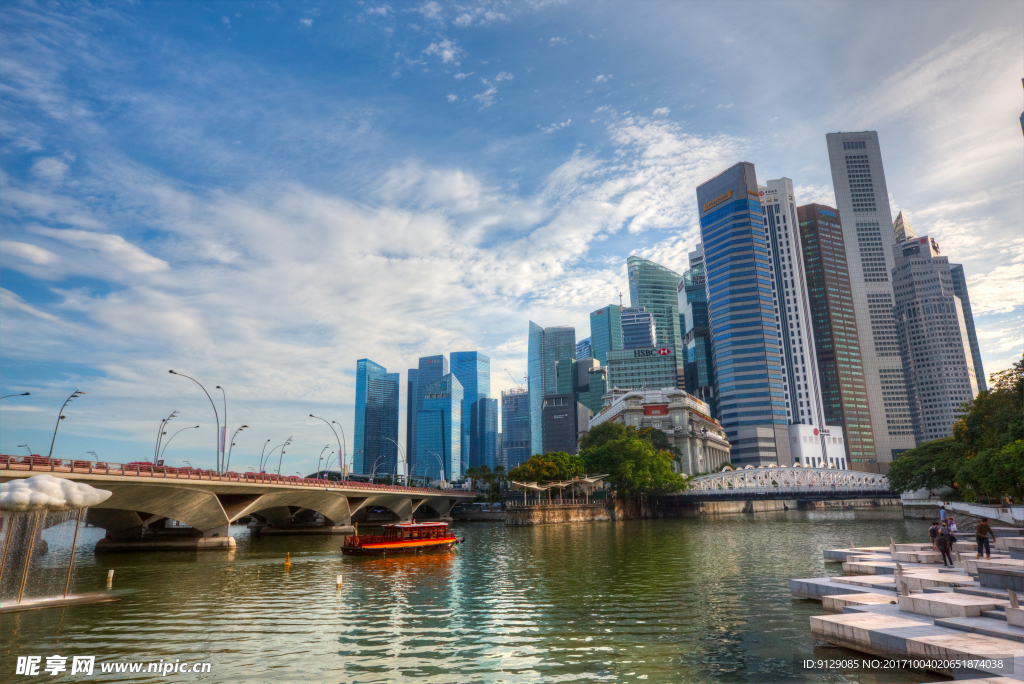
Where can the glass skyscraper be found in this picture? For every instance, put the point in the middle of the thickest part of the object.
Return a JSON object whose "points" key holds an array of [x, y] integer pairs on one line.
{"points": [[741, 309], [638, 328], [605, 332], [584, 349], [483, 434], [654, 287], [376, 419], [431, 368], [546, 347], [960, 290], [473, 370], [516, 440], [698, 364], [439, 429]]}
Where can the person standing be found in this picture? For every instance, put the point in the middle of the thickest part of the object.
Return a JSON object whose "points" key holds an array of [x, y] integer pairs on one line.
{"points": [[981, 534], [933, 535], [952, 525], [942, 514], [944, 543]]}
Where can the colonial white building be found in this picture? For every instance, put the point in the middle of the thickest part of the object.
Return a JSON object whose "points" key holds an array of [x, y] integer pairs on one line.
{"points": [[686, 420]]}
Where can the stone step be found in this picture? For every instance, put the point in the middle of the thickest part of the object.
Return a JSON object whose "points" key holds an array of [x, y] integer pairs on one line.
{"points": [[862, 567], [1006, 542], [947, 605], [835, 604], [971, 564], [882, 581], [1001, 578], [983, 625], [923, 581], [982, 591], [928, 556], [994, 614], [1014, 616], [817, 587]]}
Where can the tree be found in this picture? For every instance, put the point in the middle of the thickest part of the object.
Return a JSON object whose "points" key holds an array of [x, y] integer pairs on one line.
{"points": [[549, 467], [930, 466], [632, 464]]}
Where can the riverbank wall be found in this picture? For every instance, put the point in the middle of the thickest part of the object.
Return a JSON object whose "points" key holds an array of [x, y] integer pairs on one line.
{"points": [[557, 514], [674, 506], [929, 510]]}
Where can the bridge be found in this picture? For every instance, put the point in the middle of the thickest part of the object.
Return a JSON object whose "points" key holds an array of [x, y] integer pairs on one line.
{"points": [[157, 507], [791, 483]]}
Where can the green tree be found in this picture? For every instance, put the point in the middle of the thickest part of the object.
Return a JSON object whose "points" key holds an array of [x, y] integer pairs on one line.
{"points": [[549, 467], [930, 466], [632, 465]]}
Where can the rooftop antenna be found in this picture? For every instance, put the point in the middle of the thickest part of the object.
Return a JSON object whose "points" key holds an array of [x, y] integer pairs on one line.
{"points": [[620, 300]]}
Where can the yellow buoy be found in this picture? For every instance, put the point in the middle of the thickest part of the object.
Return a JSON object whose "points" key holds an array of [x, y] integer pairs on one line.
{"points": [[288, 560]]}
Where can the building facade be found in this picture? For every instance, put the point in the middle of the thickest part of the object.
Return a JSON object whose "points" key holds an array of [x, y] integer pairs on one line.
{"points": [[818, 448], [636, 369], [699, 438], [546, 346], [605, 332], [960, 290], [584, 350], [654, 287], [862, 199], [516, 437], [483, 434], [698, 364], [473, 370], [410, 415], [638, 328], [564, 418], [836, 342], [430, 370], [439, 430], [933, 340], [901, 229], [745, 326], [376, 417]]}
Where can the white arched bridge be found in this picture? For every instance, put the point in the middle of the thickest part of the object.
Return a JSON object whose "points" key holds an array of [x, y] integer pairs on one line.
{"points": [[772, 482]]}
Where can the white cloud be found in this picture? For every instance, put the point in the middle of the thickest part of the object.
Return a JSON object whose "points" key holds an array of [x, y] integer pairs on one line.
{"points": [[31, 253], [114, 248], [503, 76], [448, 50], [461, 76], [306, 22], [724, 106], [432, 11], [662, 111], [382, 10], [815, 194], [558, 40], [12, 302], [999, 289], [603, 78], [556, 126], [226, 21], [487, 97], [49, 168], [452, 97]]}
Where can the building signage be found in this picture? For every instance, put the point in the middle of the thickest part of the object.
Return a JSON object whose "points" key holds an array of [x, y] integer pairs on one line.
{"points": [[664, 351], [826, 212], [715, 202]]}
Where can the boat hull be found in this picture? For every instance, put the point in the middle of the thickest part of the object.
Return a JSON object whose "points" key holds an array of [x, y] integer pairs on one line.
{"points": [[398, 548]]}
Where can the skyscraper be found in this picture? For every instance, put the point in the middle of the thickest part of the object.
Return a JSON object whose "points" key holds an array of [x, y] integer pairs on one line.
{"points": [[546, 347], [745, 327], [960, 290], [483, 434], [376, 419], [410, 415], [834, 324], [439, 429], [638, 328], [605, 331], [654, 287], [473, 370], [933, 339], [698, 364], [516, 444], [431, 368], [564, 418], [902, 230], [649, 368], [584, 350], [862, 198]]}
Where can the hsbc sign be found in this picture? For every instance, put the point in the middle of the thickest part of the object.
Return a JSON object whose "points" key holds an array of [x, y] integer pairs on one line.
{"points": [[652, 351]]}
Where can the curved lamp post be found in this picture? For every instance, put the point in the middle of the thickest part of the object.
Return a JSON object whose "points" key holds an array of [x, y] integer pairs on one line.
{"points": [[373, 471], [281, 459], [164, 451], [320, 460], [160, 434], [261, 454], [227, 463], [27, 448], [216, 416], [224, 428], [263, 463], [440, 462], [405, 459], [341, 449], [60, 417], [23, 394]]}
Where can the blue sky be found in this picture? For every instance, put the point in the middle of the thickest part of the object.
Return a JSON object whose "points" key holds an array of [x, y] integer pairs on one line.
{"points": [[258, 194]]}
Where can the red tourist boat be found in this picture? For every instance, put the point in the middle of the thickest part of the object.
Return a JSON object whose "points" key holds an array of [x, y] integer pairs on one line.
{"points": [[401, 538]]}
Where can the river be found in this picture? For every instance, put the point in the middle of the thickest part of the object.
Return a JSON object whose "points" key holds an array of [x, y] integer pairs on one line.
{"points": [[702, 600]]}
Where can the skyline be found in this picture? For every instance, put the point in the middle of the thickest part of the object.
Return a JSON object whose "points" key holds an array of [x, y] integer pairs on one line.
{"points": [[260, 197]]}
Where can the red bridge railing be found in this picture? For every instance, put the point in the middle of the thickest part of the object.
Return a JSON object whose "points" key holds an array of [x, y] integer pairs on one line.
{"points": [[151, 470]]}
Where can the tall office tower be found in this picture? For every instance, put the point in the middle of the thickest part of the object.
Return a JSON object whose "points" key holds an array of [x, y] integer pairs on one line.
{"points": [[376, 418], [516, 438], [483, 434], [564, 419], [650, 368], [902, 230], [584, 350], [960, 290], [653, 287], [431, 368], [933, 338], [473, 370], [605, 332], [862, 198], [800, 365], [546, 347], [638, 328], [439, 429], [744, 324], [410, 413], [844, 396], [586, 381], [698, 364]]}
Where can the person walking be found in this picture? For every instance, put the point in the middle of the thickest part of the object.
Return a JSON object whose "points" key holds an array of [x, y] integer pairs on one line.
{"points": [[933, 534], [952, 525], [981, 534], [944, 542], [942, 514]]}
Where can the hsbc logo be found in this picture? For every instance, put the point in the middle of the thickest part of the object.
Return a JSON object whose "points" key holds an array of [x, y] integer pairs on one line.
{"points": [[664, 351], [815, 432]]}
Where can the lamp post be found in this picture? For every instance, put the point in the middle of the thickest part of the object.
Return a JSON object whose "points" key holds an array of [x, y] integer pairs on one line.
{"points": [[342, 465], [160, 434], [216, 416], [261, 454], [440, 462], [227, 464], [405, 459], [160, 461], [373, 471], [320, 460], [26, 447], [23, 394], [60, 417], [281, 459], [224, 428]]}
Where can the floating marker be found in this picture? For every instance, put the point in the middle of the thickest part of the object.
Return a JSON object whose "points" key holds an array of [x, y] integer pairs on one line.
{"points": [[339, 581], [288, 560], [110, 578]]}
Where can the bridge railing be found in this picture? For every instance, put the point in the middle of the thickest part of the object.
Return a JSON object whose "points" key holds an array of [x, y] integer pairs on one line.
{"points": [[151, 470], [533, 503], [782, 490]]}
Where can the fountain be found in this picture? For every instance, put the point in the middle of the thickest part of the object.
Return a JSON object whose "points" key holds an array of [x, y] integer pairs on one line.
{"points": [[27, 507]]}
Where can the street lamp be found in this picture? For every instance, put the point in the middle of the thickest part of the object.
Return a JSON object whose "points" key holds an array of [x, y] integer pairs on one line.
{"points": [[27, 448], [227, 464], [320, 460], [160, 461], [160, 434], [405, 459], [440, 462], [373, 471], [342, 466], [279, 446], [216, 416], [280, 460], [224, 429], [93, 454], [60, 417], [23, 394], [261, 454]]}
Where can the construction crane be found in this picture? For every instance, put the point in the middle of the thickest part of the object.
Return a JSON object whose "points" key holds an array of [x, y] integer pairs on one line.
{"points": [[518, 384]]}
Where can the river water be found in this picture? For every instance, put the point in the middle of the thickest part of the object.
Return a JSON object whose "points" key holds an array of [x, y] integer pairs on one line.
{"points": [[703, 600]]}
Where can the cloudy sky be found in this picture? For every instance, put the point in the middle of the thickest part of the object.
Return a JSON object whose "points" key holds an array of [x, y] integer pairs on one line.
{"points": [[258, 194]]}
